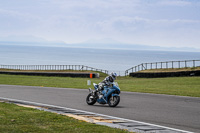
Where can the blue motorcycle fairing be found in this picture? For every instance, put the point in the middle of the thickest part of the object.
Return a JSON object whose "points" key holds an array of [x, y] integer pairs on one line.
{"points": [[108, 92], [116, 89], [115, 95], [101, 101]]}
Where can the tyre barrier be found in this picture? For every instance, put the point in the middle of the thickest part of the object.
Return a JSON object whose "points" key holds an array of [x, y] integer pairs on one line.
{"points": [[165, 74], [58, 74]]}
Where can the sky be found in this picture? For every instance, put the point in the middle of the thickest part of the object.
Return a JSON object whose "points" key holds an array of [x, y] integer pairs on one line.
{"points": [[163, 23]]}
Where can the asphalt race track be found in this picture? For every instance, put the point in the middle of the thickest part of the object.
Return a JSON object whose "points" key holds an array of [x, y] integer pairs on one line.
{"points": [[171, 111]]}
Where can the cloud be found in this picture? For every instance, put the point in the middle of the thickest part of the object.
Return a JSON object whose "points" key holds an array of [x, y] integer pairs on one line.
{"points": [[175, 2], [17, 15], [14, 14], [136, 21], [139, 23]]}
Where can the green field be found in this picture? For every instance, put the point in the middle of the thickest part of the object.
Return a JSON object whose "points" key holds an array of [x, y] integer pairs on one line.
{"points": [[16, 119], [20, 119], [182, 86]]}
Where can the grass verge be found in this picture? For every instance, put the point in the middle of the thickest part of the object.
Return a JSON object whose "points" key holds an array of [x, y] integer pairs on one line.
{"points": [[16, 119], [182, 86]]}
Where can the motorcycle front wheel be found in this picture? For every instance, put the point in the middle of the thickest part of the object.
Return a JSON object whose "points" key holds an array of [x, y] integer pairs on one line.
{"points": [[90, 100], [113, 101]]}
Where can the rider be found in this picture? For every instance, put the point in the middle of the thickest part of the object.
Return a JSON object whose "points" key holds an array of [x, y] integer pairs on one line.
{"points": [[107, 81]]}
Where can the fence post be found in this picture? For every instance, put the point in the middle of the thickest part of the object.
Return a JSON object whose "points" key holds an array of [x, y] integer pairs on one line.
{"points": [[82, 67], [193, 63], [142, 66], [185, 64]]}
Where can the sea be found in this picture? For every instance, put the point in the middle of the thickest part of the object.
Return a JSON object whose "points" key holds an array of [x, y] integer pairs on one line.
{"points": [[113, 60]]}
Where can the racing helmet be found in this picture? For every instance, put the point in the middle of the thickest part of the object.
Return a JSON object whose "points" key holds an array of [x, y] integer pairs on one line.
{"points": [[113, 75]]}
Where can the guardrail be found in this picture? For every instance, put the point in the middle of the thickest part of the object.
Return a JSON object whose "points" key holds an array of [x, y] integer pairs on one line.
{"points": [[163, 65], [52, 67]]}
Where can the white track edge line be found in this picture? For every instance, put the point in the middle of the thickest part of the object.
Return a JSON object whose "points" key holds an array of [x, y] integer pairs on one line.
{"points": [[169, 128]]}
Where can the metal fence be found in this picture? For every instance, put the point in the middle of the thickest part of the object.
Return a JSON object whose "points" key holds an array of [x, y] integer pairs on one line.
{"points": [[52, 67], [164, 65], [143, 66]]}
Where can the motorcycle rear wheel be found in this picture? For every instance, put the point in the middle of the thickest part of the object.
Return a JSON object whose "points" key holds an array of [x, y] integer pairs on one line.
{"points": [[90, 100], [113, 101]]}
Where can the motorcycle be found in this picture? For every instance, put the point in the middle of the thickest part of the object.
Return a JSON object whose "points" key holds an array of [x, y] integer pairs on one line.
{"points": [[110, 95]]}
